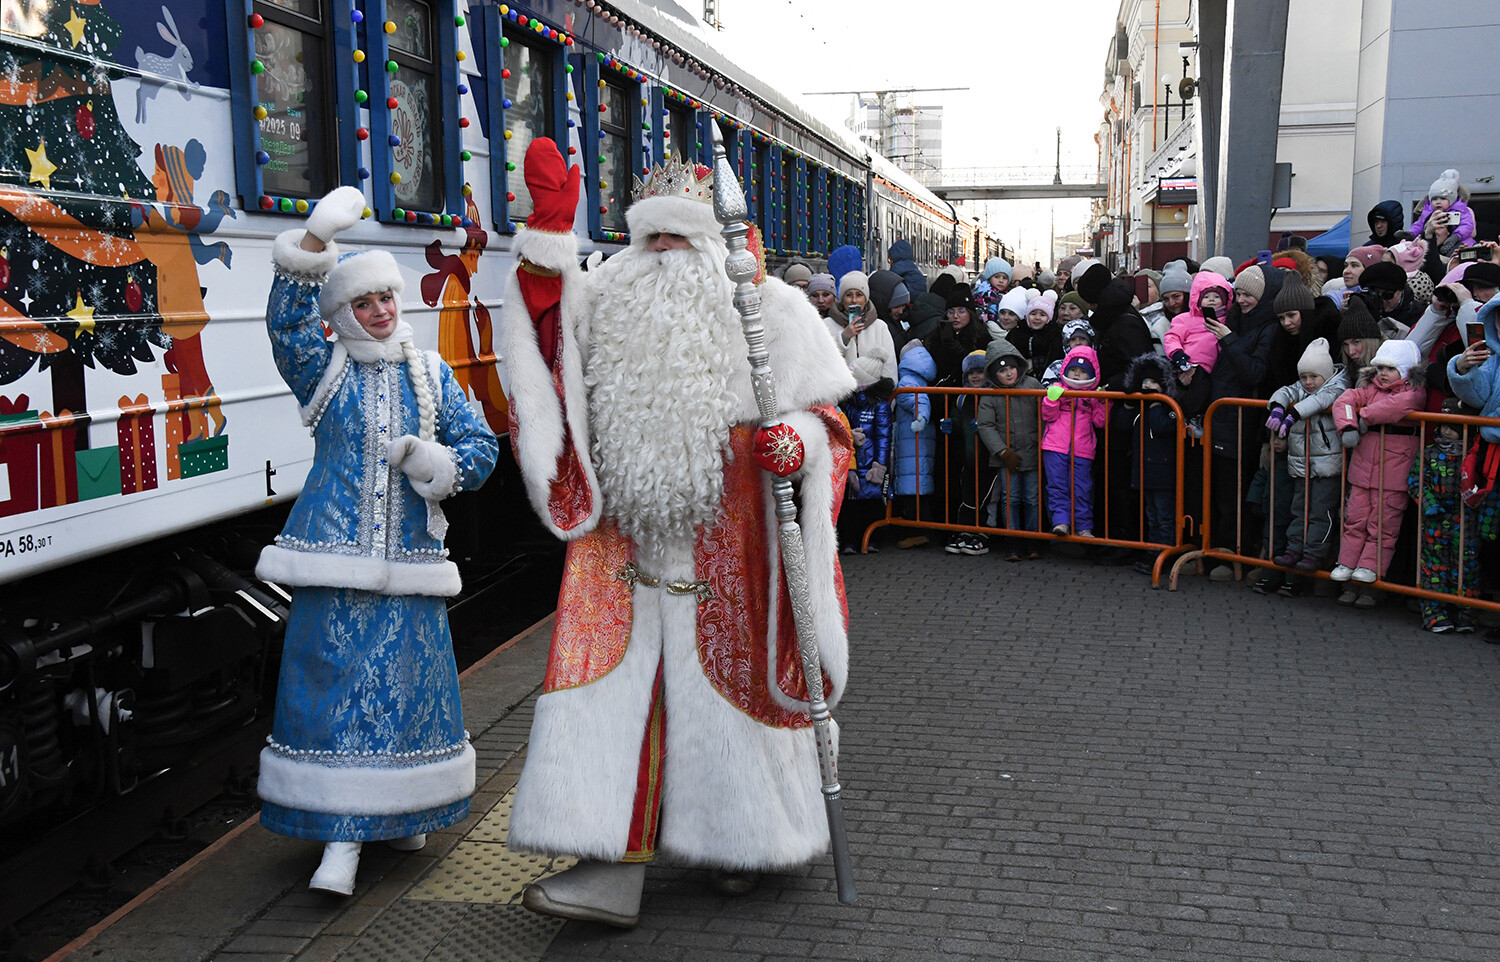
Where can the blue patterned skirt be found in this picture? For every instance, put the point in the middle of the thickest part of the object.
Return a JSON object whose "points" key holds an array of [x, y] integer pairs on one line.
{"points": [[368, 740]]}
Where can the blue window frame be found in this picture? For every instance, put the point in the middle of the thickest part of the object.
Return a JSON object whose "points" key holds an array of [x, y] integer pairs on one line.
{"points": [[292, 89], [819, 211], [527, 92], [612, 145]]}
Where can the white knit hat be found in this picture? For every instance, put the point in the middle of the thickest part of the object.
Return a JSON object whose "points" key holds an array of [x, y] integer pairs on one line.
{"points": [[1445, 186], [1402, 355], [1014, 300], [1316, 360], [868, 368]]}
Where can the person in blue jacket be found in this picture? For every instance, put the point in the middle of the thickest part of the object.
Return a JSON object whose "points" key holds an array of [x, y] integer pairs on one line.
{"points": [[368, 740], [903, 264], [914, 438], [869, 412]]}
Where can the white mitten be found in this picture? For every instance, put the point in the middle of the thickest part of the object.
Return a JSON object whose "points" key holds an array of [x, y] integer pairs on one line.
{"points": [[427, 464], [339, 210]]}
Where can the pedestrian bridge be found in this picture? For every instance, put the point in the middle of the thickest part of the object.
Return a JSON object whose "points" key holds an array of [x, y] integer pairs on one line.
{"points": [[1016, 183]]}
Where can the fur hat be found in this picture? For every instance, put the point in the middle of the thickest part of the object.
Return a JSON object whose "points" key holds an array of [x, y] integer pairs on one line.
{"points": [[1015, 300], [1091, 284], [1445, 186], [1420, 285], [362, 272], [854, 281], [1316, 359], [820, 282], [1175, 278], [1251, 280], [1077, 326], [973, 361], [1369, 254], [1386, 277], [868, 368], [900, 296], [961, 295], [1040, 302], [1220, 265], [796, 272], [1402, 355], [1410, 254], [993, 266], [1294, 295], [1358, 321]]}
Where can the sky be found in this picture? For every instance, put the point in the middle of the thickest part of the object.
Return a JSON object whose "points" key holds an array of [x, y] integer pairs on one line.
{"points": [[1029, 67]]}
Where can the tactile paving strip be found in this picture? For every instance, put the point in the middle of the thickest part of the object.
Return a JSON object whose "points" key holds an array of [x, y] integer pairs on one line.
{"points": [[497, 933], [481, 870], [407, 932]]}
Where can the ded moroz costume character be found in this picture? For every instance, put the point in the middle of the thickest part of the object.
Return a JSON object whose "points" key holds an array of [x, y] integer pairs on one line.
{"points": [[674, 717], [368, 740]]}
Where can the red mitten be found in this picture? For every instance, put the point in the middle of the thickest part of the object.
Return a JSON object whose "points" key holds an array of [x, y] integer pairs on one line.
{"points": [[554, 188], [778, 450]]}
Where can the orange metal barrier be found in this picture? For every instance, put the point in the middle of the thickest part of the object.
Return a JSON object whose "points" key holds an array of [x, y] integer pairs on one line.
{"points": [[951, 516]]}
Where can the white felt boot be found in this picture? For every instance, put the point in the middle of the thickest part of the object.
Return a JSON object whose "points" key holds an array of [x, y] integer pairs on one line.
{"points": [[412, 843], [336, 872], [608, 892]]}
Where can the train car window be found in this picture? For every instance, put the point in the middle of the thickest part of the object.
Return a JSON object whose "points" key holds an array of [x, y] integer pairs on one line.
{"points": [[682, 132], [788, 200], [529, 93], [614, 156], [819, 242], [418, 114], [298, 153], [760, 185]]}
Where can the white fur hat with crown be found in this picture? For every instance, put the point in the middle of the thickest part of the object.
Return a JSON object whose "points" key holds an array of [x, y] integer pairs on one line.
{"points": [[362, 272]]}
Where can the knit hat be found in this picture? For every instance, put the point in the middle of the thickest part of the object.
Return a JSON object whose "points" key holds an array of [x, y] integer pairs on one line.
{"points": [[1402, 355], [1410, 254], [1076, 299], [1175, 278], [1386, 277], [820, 282], [1080, 370], [1369, 254], [962, 295], [1015, 300], [1220, 265], [900, 296], [868, 368], [973, 361], [1316, 360], [1092, 283], [993, 266], [1420, 285], [1445, 186], [854, 281], [796, 272], [1040, 302], [844, 259], [1358, 321], [1046, 280], [1251, 280], [1294, 295], [1068, 263], [1155, 276], [1077, 326], [1481, 274]]}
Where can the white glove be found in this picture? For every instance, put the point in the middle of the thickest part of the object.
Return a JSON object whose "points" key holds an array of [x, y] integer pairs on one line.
{"points": [[427, 465], [339, 210]]}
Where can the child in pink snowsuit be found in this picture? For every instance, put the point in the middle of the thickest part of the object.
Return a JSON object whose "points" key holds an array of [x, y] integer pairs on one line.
{"points": [[1069, 426], [1368, 419], [1188, 342]]}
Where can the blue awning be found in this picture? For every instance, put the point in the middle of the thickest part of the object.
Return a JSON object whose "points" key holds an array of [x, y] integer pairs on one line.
{"points": [[1334, 242]]}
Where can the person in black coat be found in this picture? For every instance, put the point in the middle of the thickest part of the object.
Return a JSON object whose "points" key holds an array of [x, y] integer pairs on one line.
{"points": [[1301, 319], [1386, 220], [1120, 333]]}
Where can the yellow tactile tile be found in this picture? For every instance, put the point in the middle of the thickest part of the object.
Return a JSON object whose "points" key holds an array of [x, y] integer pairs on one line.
{"points": [[481, 870]]}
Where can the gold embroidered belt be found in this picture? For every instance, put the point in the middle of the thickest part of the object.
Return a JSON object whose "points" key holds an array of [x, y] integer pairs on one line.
{"points": [[633, 576]]}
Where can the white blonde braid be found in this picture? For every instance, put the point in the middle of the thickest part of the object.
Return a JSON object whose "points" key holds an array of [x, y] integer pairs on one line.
{"points": [[416, 372]]}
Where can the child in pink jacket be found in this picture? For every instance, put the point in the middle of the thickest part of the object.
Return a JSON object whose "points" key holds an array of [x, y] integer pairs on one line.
{"points": [[1068, 441], [1188, 342], [1369, 418]]}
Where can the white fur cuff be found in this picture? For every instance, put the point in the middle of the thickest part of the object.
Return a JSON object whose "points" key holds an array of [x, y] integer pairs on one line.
{"points": [[438, 579], [310, 266], [352, 789], [553, 252]]}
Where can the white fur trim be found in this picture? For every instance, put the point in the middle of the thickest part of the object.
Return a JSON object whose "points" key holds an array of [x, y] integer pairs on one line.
{"points": [[438, 579], [807, 365], [553, 252], [288, 254], [539, 418], [820, 547], [365, 272], [670, 215], [333, 376], [365, 790]]}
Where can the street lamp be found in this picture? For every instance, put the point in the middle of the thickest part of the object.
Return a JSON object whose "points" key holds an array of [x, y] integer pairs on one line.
{"points": [[1166, 113]]}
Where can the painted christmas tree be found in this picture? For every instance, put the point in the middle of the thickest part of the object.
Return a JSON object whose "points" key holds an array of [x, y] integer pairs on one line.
{"points": [[75, 288]]}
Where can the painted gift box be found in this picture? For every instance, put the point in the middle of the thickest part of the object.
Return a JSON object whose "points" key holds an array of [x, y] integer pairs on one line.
{"points": [[205, 456], [137, 436], [37, 467], [98, 473]]}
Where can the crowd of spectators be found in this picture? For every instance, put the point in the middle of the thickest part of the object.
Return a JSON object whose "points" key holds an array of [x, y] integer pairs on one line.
{"points": [[1317, 475]]}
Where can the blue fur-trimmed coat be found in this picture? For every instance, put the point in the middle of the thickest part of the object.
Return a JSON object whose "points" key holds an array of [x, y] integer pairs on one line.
{"points": [[358, 523]]}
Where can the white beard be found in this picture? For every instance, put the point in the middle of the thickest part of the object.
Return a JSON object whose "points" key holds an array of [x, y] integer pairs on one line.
{"points": [[664, 346]]}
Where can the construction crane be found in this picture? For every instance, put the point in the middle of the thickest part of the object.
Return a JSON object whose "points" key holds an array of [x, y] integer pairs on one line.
{"points": [[887, 112]]}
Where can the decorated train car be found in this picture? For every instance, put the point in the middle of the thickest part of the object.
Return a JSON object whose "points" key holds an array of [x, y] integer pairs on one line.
{"points": [[150, 152]]}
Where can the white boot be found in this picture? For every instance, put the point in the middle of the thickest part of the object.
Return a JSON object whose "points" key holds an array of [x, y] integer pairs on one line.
{"points": [[608, 892], [412, 843], [336, 872]]}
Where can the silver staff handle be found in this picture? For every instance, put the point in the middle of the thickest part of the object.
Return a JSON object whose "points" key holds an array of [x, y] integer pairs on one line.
{"points": [[730, 209]]}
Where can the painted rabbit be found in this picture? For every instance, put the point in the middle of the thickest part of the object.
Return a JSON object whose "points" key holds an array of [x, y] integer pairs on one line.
{"points": [[175, 67]]}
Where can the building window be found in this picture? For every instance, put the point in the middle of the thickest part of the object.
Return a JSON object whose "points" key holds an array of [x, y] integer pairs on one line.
{"points": [[528, 97], [614, 155], [298, 154]]}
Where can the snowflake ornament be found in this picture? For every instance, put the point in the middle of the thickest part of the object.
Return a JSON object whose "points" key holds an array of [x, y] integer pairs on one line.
{"points": [[778, 450]]}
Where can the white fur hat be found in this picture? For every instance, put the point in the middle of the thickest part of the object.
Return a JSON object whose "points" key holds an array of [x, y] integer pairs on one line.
{"points": [[362, 272], [670, 215], [1401, 355]]}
